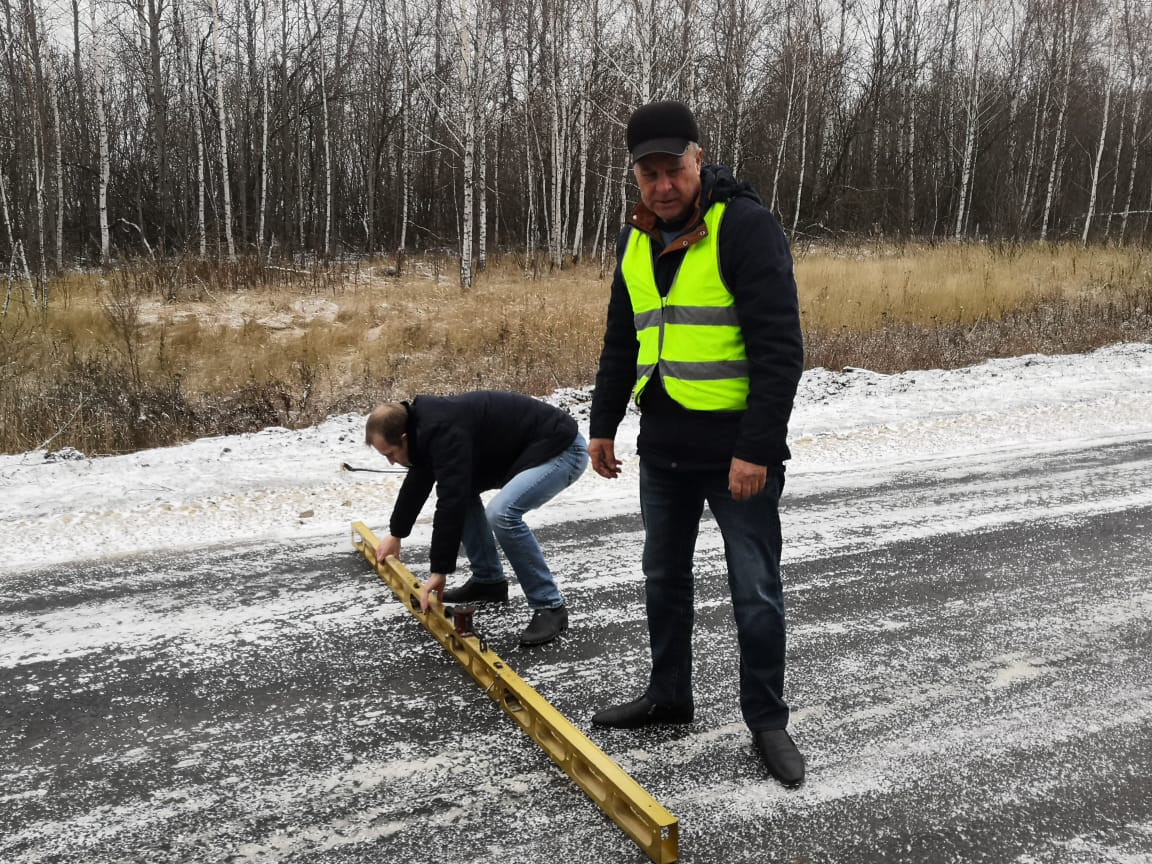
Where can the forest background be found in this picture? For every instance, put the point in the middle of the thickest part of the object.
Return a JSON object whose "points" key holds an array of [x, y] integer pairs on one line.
{"points": [[222, 215]]}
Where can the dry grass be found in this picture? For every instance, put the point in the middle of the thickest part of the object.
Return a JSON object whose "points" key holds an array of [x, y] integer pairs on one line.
{"points": [[163, 352], [927, 285], [895, 308]]}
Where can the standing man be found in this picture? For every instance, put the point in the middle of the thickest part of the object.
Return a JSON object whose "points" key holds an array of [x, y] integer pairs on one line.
{"points": [[465, 445], [703, 331]]}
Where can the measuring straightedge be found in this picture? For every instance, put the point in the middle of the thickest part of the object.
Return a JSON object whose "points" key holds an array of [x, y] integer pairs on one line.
{"points": [[625, 802]]}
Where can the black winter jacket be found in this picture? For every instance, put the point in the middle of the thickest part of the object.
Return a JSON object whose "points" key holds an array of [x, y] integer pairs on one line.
{"points": [[467, 444], [756, 266]]}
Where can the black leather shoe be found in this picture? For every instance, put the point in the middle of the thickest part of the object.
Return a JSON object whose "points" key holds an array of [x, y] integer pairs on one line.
{"points": [[474, 591], [781, 758], [643, 712], [546, 625]]}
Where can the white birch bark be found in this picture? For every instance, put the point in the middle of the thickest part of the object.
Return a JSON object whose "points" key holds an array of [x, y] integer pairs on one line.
{"points": [[13, 246], [1127, 208], [967, 163], [559, 167], [406, 159], [803, 136], [467, 75], [582, 167], [784, 133], [263, 206], [4, 211], [98, 75], [482, 203], [1061, 129], [58, 153], [1117, 160], [1036, 144], [600, 237], [225, 174], [530, 185], [1105, 117]]}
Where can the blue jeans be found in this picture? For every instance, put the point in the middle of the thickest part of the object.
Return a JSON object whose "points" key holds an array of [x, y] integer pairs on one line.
{"points": [[503, 520], [672, 503]]}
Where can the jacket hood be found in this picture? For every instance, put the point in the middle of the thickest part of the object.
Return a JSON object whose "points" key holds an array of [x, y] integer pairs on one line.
{"points": [[717, 183]]}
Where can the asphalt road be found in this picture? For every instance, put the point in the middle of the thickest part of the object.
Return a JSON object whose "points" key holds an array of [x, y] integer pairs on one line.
{"points": [[969, 670]]}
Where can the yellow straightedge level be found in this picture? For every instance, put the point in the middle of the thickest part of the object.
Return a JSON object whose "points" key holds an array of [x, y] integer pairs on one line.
{"points": [[653, 828]]}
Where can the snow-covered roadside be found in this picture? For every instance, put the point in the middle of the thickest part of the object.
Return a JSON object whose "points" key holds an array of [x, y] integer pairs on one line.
{"points": [[286, 485]]}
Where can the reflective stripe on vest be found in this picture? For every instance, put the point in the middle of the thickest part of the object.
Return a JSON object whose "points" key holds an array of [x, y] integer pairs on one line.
{"points": [[692, 334]]}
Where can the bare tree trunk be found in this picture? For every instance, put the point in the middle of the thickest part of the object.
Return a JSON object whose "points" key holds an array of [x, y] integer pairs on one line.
{"points": [[468, 75], [225, 175], [406, 167], [58, 153], [159, 109], [600, 236], [38, 168], [582, 163], [1095, 185], [1061, 129], [325, 124], [910, 48], [1036, 144], [14, 247], [556, 46], [102, 139], [530, 185], [37, 87], [482, 195], [972, 113], [78, 81], [1132, 169], [263, 209], [188, 40], [785, 131], [803, 136]]}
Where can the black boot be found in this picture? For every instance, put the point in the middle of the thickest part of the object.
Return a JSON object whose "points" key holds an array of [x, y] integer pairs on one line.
{"points": [[546, 625], [781, 757], [474, 591], [643, 712]]}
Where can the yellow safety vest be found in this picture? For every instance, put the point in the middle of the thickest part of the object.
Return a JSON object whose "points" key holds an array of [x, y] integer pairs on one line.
{"points": [[691, 335]]}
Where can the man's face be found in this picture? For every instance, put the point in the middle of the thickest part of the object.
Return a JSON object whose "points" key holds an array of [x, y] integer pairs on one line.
{"points": [[669, 185], [396, 454]]}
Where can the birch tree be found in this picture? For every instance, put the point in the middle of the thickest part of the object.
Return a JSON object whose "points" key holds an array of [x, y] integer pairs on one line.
{"points": [[221, 117], [262, 209], [972, 117], [102, 155], [1065, 39], [1136, 33], [1104, 118], [468, 63]]}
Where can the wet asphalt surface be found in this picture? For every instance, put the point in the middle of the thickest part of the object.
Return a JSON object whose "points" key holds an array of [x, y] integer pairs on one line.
{"points": [[969, 672]]}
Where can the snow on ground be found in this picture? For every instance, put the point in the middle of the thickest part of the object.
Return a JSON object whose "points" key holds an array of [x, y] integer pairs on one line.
{"points": [[286, 485]]}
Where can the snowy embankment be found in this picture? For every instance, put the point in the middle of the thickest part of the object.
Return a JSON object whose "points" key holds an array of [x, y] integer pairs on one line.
{"points": [[286, 485]]}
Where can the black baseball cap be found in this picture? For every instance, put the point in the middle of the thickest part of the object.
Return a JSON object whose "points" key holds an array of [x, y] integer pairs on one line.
{"points": [[661, 127]]}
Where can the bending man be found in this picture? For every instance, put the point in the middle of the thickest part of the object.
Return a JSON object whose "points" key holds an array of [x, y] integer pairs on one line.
{"points": [[464, 445]]}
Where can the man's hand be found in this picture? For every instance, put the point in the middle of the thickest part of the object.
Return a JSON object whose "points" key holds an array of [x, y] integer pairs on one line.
{"points": [[434, 584], [746, 479], [602, 454], [388, 546]]}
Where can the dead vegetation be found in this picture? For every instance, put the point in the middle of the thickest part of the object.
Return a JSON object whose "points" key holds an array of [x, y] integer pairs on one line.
{"points": [[157, 353]]}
